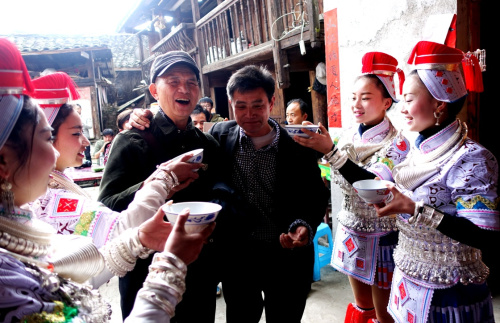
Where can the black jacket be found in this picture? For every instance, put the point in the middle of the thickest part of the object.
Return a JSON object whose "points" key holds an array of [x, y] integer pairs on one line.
{"points": [[135, 155], [298, 194]]}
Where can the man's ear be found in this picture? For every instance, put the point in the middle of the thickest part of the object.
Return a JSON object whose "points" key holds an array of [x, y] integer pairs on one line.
{"points": [[305, 116], [152, 90], [271, 104]]}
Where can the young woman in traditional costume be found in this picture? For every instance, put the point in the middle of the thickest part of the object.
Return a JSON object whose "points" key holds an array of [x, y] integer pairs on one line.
{"points": [[68, 207], [445, 197], [40, 271], [367, 151]]}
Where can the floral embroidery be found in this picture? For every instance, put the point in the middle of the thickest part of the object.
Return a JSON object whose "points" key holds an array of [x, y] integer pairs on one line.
{"points": [[387, 162], [61, 313], [477, 202], [82, 227]]}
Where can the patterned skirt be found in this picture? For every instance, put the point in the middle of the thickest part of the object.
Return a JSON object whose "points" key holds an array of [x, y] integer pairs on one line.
{"points": [[366, 258]]}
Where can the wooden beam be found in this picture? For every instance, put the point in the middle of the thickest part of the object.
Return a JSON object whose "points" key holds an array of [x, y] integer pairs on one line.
{"points": [[319, 103], [314, 25], [468, 32], [254, 54], [200, 58], [280, 57]]}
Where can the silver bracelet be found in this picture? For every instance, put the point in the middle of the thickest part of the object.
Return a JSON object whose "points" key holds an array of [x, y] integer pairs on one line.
{"points": [[174, 177], [157, 300], [330, 154], [114, 261], [418, 207], [426, 215], [171, 258], [162, 175], [154, 283], [430, 216], [136, 247]]}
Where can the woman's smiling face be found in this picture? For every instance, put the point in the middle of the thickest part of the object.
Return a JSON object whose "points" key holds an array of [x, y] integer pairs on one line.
{"points": [[70, 142], [29, 181], [368, 104], [418, 105]]}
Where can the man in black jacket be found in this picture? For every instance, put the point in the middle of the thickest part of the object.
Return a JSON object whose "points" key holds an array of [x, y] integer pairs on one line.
{"points": [[264, 235], [134, 157], [277, 213]]}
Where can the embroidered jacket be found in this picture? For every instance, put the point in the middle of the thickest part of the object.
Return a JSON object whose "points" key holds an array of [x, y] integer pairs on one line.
{"points": [[461, 181], [377, 150]]}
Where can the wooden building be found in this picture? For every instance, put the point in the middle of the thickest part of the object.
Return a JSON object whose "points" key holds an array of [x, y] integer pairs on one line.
{"points": [[223, 36], [105, 68]]}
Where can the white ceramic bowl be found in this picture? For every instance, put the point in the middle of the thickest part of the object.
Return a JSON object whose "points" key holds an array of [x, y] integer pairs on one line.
{"points": [[371, 190], [296, 129], [197, 156], [200, 214]]}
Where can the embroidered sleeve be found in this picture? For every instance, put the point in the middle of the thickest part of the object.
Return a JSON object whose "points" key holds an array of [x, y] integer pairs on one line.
{"points": [[97, 222], [396, 153], [473, 181]]}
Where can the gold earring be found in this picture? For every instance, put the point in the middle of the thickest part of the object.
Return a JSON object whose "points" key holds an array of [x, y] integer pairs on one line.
{"points": [[6, 196], [437, 115]]}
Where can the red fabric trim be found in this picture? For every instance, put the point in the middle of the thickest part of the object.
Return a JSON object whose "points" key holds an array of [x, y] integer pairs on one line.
{"points": [[11, 79]]}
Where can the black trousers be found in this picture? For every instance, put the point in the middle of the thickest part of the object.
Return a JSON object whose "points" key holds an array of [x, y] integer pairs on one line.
{"points": [[198, 302], [283, 276]]}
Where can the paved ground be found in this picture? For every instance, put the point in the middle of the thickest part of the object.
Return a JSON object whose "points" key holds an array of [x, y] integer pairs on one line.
{"points": [[326, 303]]}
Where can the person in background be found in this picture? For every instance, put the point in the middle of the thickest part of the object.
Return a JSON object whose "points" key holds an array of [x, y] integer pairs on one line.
{"points": [[296, 111], [199, 116], [136, 154], [208, 105], [445, 197], [103, 145], [275, 236], [88, 158], [122, 119], [368, 150]]}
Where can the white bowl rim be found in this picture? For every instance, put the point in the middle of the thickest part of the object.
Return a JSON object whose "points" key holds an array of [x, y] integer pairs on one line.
{"points": [[183, 205], [301, 126], [370, 180]]}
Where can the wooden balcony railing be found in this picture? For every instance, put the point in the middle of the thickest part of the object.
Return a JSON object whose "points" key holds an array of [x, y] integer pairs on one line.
{"points": [[239, 25], [180, 38]]}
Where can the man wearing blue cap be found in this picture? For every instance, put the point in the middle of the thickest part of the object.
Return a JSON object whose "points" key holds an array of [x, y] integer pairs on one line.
{"points": [[175, 85]]}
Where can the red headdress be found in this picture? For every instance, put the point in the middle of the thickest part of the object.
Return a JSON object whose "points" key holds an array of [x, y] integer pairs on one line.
{"points": [[14, 76], [52, 91], [14, 81], [384, 66], [437, 65]]}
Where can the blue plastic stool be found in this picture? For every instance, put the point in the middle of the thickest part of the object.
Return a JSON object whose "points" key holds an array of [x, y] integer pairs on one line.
{"points": [[322, 254]]}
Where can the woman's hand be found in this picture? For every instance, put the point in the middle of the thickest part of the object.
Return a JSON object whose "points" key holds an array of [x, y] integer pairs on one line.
{"points": [[185, 172], [321, 142], [399, 203], [153, 233], [140, 119], [187, 246]]}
